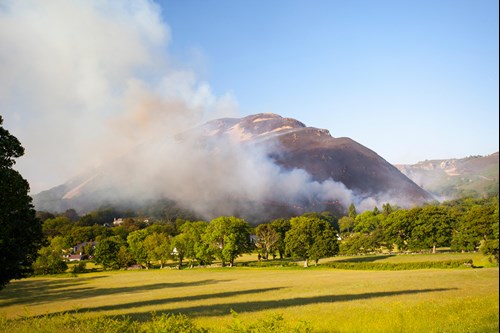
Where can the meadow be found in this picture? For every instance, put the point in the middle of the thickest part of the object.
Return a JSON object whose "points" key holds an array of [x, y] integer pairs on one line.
{"points": [[316, 299]]}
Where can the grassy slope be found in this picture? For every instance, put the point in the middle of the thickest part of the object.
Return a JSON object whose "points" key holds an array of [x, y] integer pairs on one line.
{"points": [[331, 300]]}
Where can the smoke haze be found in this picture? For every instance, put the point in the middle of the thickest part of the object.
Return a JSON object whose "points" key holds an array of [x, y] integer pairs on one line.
{"points": [[90, 84], [82, 79]]}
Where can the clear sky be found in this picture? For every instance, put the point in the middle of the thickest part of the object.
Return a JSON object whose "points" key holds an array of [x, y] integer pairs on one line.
{"points": [[410, 79]]}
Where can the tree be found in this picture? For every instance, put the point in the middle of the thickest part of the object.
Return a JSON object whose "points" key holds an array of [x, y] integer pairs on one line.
{"points": [[387, 209], [157, 246], [195, 246], [135, 242], [397, 228], [431, 229], [60, 225], [311, 238], [125, 258], [367, 221], [351, 211], [189, 243], [267, 238], [360, 243], [229, 237], [50, 259], [107, 253], [20, 231], [346, 224], [475, 225], [281, 226], [181, 246]]}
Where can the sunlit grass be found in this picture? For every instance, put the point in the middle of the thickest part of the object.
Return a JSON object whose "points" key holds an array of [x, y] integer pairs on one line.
{"points": [[427, 300]]}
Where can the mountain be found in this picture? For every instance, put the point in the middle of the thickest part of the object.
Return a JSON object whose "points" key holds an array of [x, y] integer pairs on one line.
{"points": [[475, 176], [255, 166], [297, 146]]}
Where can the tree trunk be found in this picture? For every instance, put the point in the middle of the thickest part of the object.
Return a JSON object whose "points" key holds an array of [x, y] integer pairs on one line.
{"points": [[306, 263]]}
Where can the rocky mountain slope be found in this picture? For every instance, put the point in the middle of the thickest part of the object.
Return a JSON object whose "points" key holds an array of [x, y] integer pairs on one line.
{"points": [[454, 178], [279, 165]]}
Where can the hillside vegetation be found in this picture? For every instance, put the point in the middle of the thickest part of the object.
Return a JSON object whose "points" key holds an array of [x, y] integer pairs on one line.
{"points": [[455, 178]]}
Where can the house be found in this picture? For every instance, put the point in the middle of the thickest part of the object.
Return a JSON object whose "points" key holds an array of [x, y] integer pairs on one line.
{"points": [[76, 257], [117, 222], [78, 248]]}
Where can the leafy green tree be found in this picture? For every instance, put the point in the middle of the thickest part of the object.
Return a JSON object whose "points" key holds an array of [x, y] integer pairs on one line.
{"points": [[475, 225], [60, 225], [196, 246], [346, 224], [189, 242], [281, 226], [181, 246], [351, 211], [357, 243], [228, 237], [50, 259], [431, 229], [157, 246], [311, 238], [20, 231], [125, 258], [367, 221], [397, 228], [267, 238], [72, 215], [387, 209], [489, 247], [135, 242], [107, 253], [130, 224]]}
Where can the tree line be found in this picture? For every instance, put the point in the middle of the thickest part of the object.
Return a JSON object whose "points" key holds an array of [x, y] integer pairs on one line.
{"points": [[309, 237], [466, 224], [463, 225]]}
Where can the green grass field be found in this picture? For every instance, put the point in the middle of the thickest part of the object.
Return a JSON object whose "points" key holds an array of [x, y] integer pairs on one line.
{"points": [[426, 300]]}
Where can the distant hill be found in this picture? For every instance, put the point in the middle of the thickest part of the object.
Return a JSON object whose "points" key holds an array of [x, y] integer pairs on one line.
{"points": [[475, 176], [259, 166]]}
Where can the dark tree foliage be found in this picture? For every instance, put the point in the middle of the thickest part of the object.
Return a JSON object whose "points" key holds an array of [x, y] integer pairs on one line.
{"points": [[311, 237], [20, 230], [281, 226]]}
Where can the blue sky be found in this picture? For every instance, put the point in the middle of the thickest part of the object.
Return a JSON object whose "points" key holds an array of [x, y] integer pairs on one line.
{"points": [[82, 82], [411, 80]]}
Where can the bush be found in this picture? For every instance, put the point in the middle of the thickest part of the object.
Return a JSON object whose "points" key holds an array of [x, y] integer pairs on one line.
{"points": [[49, 261], [269, 263], [81, 267], [400, 266], [273, 323], [172, 324]]}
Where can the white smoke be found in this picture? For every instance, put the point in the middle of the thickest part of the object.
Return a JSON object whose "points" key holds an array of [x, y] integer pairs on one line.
{"points": [[75, 72], [83, 83]]}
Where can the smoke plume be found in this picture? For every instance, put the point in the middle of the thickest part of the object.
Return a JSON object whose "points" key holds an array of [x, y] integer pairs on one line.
{"points": [[90, 84]]}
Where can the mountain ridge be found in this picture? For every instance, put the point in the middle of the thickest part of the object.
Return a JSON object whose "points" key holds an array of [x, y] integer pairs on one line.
{"points": [[452, 178]]}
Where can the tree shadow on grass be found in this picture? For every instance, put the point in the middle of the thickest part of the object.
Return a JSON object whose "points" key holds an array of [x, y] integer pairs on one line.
{"points": [[214, 310], [46, 291], [366, 258], [164, 301]]}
